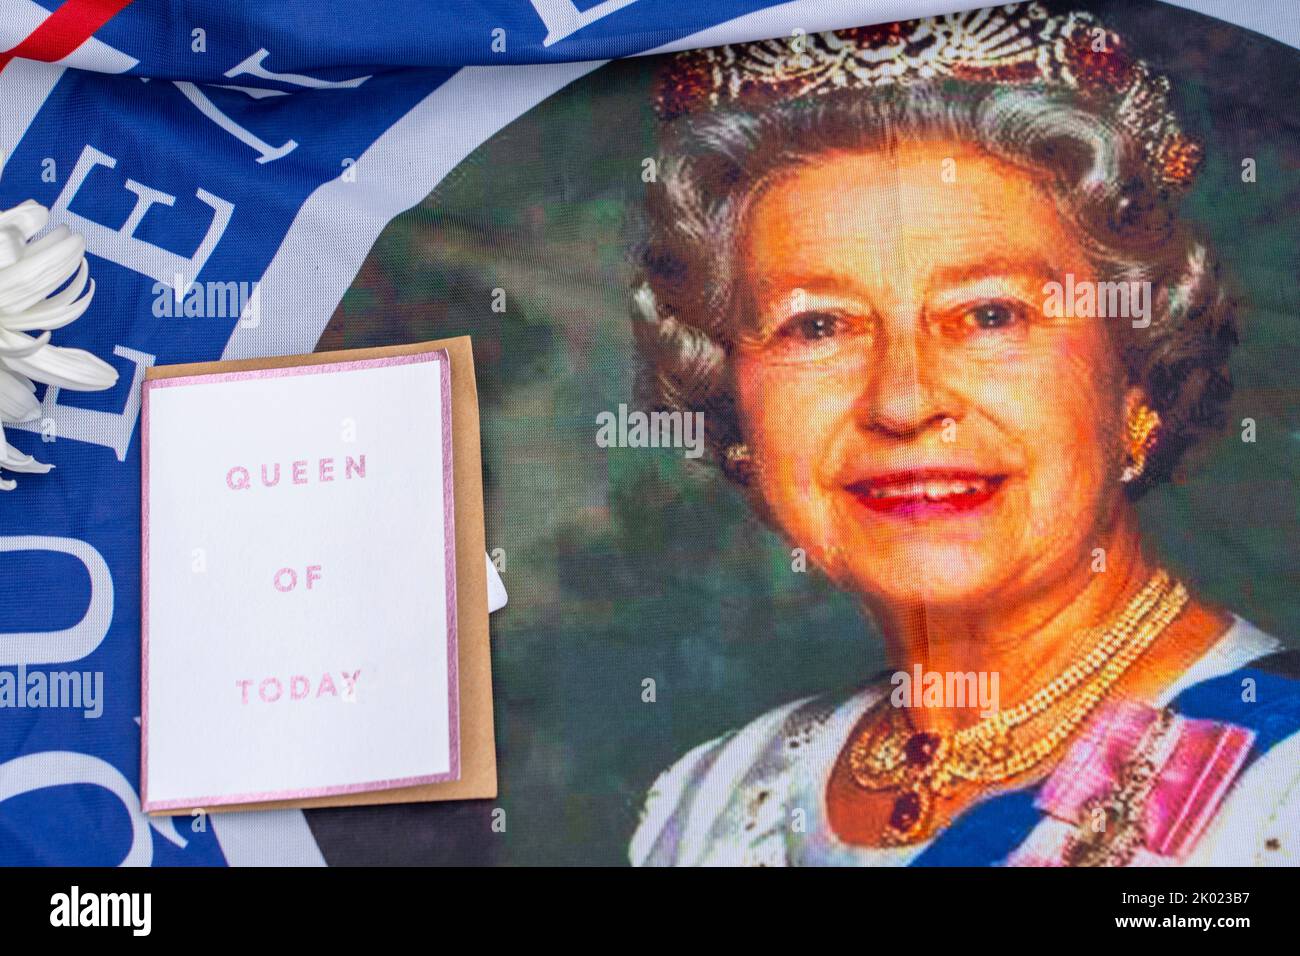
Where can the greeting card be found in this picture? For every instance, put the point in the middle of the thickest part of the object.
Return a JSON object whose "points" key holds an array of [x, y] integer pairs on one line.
{"points": [[303, 609]]}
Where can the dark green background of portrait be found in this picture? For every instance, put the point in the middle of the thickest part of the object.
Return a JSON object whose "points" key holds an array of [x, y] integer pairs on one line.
{"points": [[628, 564]]}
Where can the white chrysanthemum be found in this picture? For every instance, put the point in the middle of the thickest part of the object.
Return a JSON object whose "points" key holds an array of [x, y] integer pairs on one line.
{"points": [[30, 274]]}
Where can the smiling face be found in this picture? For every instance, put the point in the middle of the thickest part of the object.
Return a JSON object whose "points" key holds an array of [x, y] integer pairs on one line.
{"points": [[918, 424]]}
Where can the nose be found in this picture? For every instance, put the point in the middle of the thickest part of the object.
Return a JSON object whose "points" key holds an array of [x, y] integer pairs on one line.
{"points": [[901, 397]]}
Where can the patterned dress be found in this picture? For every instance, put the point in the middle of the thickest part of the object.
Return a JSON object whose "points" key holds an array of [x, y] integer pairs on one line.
{"points": [[756, 796]]}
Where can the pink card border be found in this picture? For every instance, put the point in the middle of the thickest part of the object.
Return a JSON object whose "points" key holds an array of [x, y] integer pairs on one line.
{"points": [[449, 536]]}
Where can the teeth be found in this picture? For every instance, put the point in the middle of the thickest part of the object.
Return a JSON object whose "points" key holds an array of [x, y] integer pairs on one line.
{"points": [[932, 489]]}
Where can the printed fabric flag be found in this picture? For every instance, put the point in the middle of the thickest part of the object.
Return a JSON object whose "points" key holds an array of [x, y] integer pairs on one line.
{"points": [[257, 179]]}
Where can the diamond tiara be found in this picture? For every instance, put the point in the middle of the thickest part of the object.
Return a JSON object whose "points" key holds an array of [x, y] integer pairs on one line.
{"points": [[1013, 45]]}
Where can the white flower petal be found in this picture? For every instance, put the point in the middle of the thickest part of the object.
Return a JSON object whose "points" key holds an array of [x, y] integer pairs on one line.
{"points": [[56, 311], [12, 246], [17, 345], [72, 289], [76, 369], [27, 218], [14, 460], [57, 234], [43, 286], [17, 403], [32, 278]]}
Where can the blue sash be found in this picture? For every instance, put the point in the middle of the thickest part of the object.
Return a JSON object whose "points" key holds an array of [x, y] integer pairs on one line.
{"points": [[990, 830]]}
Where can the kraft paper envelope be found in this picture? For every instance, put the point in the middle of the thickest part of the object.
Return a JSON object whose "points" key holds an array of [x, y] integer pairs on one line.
{"points": [[477, 754]]}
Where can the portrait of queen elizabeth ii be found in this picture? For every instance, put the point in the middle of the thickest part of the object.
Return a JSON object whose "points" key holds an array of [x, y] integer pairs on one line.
{"points": [[929, 285]]}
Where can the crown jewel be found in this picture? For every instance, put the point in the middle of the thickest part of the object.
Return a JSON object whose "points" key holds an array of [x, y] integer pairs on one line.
{"points": [[1015, 45]]}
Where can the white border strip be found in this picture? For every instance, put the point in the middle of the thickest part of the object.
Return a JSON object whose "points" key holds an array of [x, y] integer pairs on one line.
{"points": [[266, 838], [1279, 19]]}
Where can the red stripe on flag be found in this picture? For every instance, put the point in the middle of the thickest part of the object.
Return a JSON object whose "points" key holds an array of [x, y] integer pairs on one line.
{"points": [[64, 30]]}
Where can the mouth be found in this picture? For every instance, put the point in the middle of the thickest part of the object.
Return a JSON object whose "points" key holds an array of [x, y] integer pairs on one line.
{"points": [[926, 493]]}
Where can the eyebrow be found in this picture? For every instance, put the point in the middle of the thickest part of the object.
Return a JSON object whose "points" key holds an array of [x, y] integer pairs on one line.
{"points": [[842, 284], [823, 283], [993, 266], [835, 281]]}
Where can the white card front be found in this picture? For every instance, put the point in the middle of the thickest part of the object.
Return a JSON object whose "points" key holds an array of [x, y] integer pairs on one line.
{"points": [[299, 583]]}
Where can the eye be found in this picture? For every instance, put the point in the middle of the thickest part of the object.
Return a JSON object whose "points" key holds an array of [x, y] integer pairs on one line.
{"points": [[811, 326], [994, 315]]}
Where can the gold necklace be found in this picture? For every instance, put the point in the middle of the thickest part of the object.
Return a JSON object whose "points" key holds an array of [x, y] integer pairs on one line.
{"points": [[922, 765]]}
